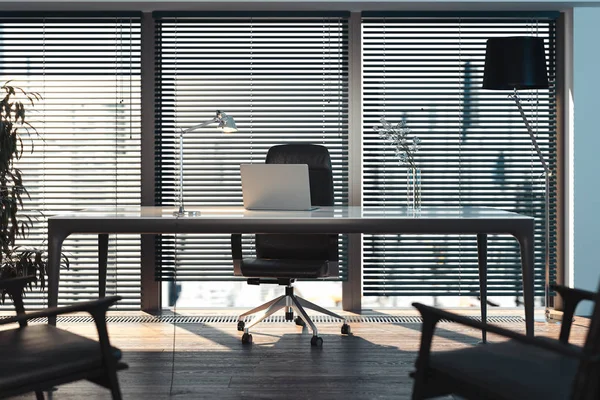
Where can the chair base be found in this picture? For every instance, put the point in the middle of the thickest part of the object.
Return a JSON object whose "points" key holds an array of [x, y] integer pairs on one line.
{"points": [[290, 302]]}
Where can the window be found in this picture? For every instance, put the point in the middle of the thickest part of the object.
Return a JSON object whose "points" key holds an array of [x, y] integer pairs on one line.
{"points": [[87, 69], [283, 79], [475, 149]]}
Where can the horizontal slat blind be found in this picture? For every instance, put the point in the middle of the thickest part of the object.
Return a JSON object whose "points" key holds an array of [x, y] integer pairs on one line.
{"points": [[475, 150], [87, 68], [282, 80]]}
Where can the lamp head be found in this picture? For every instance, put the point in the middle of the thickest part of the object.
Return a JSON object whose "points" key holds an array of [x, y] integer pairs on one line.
{"points": [[515, 63], [226, 123]]}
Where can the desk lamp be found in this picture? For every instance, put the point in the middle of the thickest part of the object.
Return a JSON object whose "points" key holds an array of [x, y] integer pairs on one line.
{"points": [[225, 123], [520, 63]]}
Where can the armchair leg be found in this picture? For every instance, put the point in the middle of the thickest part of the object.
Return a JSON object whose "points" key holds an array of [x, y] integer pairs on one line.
{"points": [[422, 362], [39, 395], [115, 390]]}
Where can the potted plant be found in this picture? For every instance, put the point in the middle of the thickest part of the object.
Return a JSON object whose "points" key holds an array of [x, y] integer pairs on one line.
{"points": [[14, 260]]}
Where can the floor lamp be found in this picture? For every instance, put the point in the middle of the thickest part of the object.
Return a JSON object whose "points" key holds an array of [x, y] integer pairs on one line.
{"points": [[520, 63], [225, 123]]}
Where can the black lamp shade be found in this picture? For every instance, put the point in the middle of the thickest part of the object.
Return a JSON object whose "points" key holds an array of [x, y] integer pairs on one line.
{"points": [[515, 63]]}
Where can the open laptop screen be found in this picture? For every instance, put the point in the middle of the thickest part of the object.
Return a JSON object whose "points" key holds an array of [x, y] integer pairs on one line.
{"points": [[275, 187]]}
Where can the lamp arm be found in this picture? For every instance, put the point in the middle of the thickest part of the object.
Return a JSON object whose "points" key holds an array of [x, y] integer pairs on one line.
{"points": [[515, 97], [201, 125]]}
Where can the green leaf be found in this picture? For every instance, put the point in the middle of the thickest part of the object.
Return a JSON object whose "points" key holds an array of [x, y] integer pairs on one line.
{"points": [[13, 116]]}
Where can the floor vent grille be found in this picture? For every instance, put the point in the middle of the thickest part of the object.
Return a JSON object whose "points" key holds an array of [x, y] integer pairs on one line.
{"points": [[221, 319]]}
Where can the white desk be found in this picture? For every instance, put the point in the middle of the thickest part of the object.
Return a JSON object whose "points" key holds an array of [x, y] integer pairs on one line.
{"points": [[479, 221]]}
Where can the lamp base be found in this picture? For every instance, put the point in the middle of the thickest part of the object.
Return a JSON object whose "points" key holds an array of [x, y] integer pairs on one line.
{"points": [[186, 214], [182, 213]]}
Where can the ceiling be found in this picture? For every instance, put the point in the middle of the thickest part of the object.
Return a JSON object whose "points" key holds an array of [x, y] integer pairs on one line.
{"points": [[294, 5]]}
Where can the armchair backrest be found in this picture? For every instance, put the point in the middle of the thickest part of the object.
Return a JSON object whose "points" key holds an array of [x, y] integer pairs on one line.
{"points": [[305, 246]]}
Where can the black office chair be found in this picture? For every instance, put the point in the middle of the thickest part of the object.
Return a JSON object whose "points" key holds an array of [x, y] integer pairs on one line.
{"points": [[281, 259], [522, 368]]}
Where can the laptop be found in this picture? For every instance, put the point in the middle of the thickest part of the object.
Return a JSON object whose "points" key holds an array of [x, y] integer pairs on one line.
{"points": [[276, 187]]}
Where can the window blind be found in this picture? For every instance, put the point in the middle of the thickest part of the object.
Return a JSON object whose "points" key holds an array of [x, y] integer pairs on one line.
{"points": [[475, 149], [283, 79], [87, 69]]}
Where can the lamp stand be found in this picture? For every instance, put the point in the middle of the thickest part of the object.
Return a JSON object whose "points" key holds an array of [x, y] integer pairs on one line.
{"points": [[181, 211], [547, 174]]}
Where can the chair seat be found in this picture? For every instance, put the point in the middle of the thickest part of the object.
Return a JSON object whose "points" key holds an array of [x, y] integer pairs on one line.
{"points": [[281, 268], [42, 352], [509, 370]]}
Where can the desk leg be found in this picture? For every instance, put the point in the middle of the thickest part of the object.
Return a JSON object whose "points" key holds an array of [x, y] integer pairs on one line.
{"points": [[527, 263], [352, 288], [102, 263], [55, 240], [482, 260]]}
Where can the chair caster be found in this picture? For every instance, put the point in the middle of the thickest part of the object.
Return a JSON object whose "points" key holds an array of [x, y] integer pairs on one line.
{"points": [[299, 321], [246, 338], [241, 326], [346, 329], [316, 341], [289, 315]]}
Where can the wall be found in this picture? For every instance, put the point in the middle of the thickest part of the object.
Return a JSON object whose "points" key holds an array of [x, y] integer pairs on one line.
{"points": [[586, 149], [356, 5]]}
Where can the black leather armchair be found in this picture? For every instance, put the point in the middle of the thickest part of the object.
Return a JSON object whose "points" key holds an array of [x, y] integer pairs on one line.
{"points": [[281, 259], [522, 368], [39, 357]]}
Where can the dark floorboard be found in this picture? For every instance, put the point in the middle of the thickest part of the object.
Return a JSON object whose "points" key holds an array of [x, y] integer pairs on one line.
{"points": [[211, 362]]}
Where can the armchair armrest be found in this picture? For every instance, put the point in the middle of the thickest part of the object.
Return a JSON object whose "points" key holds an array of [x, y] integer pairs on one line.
{"points": [[572, 294], [96, 308], [433, 315], [571, 298]]}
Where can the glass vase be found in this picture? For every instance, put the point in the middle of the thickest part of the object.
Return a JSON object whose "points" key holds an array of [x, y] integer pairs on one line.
{"points": [[413, 188]]}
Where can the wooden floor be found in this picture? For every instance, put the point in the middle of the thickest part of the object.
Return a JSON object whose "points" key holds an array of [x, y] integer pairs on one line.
{"points": [[210, 362]]}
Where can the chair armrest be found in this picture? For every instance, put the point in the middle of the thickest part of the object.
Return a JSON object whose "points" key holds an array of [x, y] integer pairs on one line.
{"points": [[236, 253], [236, 246], [433, 315], [333, 248], [13, 284], [95, 308], [571, 298]]}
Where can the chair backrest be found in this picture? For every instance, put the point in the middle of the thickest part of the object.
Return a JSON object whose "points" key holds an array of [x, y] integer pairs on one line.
{"points": [[305, 246], [587, 382]]}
